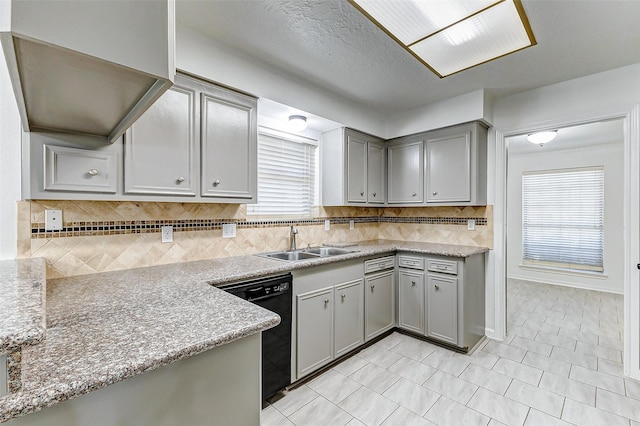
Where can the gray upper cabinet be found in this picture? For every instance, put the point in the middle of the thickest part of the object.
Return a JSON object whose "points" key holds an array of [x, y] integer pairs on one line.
{"points": [[457, 165], [356, 168], [160, 147], [229, 144], [406, 171], [449, 168], [352, 168], [197, 143], [376, 173], [439, 168]]}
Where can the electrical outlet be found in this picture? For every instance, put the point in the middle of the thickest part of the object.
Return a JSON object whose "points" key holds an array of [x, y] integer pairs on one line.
{"points": [[53, 220], [471, 225], [351, 224], [167, 234], [327, 225], [228, 230]]}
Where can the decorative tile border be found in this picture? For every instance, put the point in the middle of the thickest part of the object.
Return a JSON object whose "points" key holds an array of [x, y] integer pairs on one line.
{"points": [[82, 229]]}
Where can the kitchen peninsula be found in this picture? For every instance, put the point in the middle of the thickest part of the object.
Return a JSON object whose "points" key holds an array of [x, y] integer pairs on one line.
{"points": [[108, 327]]}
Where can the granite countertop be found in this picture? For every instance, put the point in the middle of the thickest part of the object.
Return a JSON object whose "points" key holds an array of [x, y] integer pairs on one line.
{"points": [[104, 328], [22, 303]]}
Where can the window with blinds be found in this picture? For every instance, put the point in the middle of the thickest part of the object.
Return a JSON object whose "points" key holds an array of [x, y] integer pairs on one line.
{"points": [[563, 218], [287, 176]]}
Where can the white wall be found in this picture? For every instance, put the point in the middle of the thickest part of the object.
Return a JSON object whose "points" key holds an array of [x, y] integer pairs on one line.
{"points": [[9, 164], [460, 109], [583, 99], [202, 55], [611, 157]]}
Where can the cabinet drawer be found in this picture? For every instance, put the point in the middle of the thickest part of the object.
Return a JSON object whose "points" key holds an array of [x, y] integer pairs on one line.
{"points": [[411, 262], [73, 169], [444, 266], [374, 265]]}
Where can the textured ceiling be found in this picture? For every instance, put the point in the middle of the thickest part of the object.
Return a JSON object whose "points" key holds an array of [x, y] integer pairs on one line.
{"points": [[331, 45]]}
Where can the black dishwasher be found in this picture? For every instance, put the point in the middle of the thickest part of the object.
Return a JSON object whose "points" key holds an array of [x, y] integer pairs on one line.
{"points": [[274, 294]]}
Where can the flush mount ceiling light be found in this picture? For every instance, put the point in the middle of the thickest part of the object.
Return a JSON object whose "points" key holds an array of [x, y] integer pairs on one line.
{"points": [[449, 36], [541, 138], [297, 123]]}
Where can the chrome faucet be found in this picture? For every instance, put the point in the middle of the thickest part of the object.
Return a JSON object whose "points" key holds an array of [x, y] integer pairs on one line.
{"points": [[292, 238]]}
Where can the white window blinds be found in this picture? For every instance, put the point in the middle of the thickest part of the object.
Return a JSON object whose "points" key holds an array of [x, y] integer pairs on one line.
{"points": [[286, 175], [563, 218]]}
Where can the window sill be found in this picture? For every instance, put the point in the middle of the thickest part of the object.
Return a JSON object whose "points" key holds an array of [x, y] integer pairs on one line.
{"points": [[563, 271]]}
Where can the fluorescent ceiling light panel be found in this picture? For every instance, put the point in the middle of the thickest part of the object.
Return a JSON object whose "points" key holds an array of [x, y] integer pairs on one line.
{"points": [[449, 36]]}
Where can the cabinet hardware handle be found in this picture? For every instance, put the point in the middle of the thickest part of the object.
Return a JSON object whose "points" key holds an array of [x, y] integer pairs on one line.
{"points": [[93, 172], [413, 194], [180, 179], [343, 296], [413, 283], [374, 194], [361, 194], [216, 182], [372, 287], [326, 302], [435, 192], [437, 287]]}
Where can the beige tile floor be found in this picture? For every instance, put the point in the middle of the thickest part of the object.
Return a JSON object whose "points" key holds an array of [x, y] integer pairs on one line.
{"points": [[560, 365]]}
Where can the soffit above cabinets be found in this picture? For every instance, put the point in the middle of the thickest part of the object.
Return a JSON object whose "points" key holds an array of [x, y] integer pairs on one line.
{"points": [[93, 77]]}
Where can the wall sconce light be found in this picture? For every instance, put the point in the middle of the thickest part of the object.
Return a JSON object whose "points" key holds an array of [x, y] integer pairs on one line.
{"points": [[297, 123]]}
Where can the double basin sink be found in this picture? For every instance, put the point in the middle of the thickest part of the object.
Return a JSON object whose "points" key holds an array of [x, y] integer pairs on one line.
{"points": [[306, 254]]}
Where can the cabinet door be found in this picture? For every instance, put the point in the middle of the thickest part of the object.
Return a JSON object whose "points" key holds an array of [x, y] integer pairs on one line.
{"points": [[376, 176], [411, 300], [348, 316], [356, 168], [159, 147], [229, 145], [315, 330], [406, 173], [379, 304], [442, 308], [449, 168]]}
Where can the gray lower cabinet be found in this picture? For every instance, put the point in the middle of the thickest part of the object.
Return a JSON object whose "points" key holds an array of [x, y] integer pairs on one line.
{"points": [[160, 146], [442, 308], [314, 330], [442, 298], [379, 303], [348, 316], [411, 300]]}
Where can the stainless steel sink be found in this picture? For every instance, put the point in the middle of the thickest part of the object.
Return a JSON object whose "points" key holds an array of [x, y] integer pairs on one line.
{"points": [[327, 251], [291, 255], [305, 254]]}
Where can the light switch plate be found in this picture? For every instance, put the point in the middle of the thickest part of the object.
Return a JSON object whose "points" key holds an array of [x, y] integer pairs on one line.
{"points": [[327, 225], [53, 220], [167, 234], [471, 225], [351, 224], [228, 230]]}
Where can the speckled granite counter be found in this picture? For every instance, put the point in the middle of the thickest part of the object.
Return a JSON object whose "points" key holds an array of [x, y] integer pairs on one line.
{"points": [[22, 303], [104, 328]]}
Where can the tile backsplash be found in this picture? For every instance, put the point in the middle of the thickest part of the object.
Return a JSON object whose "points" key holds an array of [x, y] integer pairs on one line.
{"points": [[103, 236]]}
